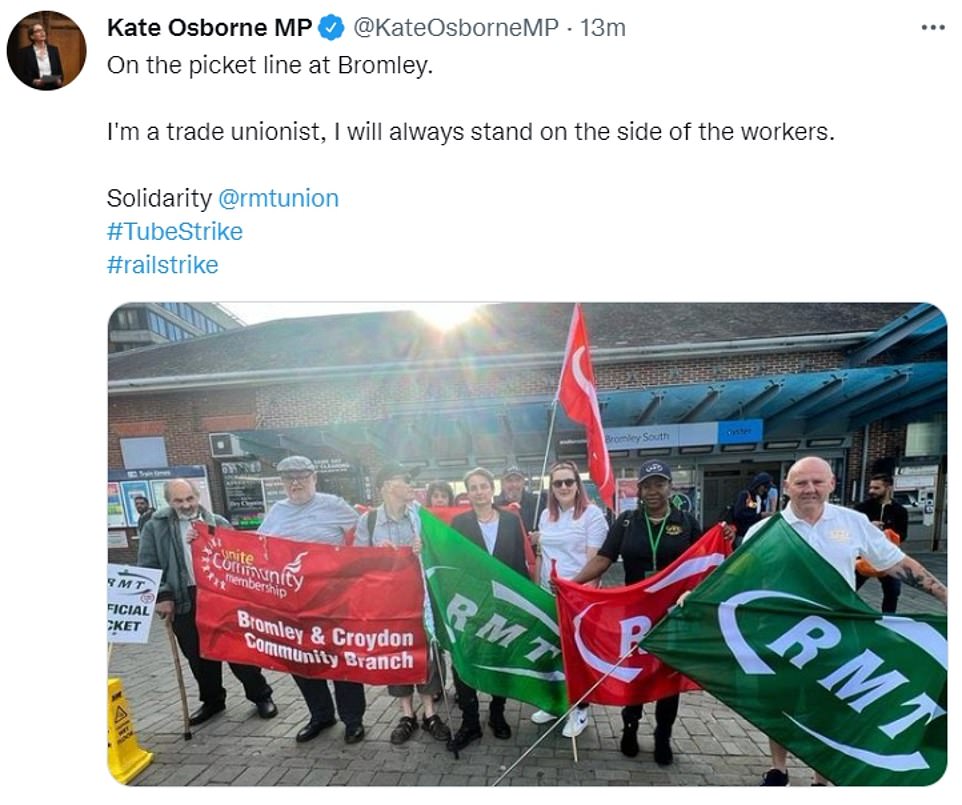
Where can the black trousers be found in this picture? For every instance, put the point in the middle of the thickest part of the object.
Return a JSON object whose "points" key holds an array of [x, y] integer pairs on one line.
{"points": [[666, 711], [348, 695], [891, 589], [468, 702], [210, 673]]}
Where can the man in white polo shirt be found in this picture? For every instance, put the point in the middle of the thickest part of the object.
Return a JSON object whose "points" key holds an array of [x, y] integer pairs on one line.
{"points": [[840, 536]]}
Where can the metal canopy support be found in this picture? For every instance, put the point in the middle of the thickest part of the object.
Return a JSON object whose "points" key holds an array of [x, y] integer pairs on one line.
{"points": [[749, 409], [694, 414], [645, 417], [880, 392], [831, 386], [516, 429], [893, 333], [927, 343], [924, 396]]}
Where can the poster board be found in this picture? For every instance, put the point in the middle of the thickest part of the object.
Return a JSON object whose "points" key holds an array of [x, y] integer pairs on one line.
{"points": [[131, 597]]}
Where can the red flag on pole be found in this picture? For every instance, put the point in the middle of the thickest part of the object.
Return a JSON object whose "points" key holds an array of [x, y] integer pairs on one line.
{"points": [[598, 626], [577, 393]]}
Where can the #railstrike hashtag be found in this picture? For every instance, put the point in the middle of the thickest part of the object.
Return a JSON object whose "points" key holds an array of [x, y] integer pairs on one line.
{"points": [[152, 264]]}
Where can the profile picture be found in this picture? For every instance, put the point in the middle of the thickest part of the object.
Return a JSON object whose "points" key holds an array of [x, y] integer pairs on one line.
{"points": [[46, 50]]}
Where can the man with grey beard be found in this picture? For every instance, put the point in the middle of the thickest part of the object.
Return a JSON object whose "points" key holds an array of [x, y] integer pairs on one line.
{"points": [[165, 545]]}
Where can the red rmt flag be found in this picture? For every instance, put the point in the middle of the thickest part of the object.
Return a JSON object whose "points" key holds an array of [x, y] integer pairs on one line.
{"points": [[599, 626], [577, 393]]}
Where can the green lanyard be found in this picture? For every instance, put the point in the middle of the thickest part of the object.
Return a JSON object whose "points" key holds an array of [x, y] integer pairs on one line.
{"points": [[654, 540]]}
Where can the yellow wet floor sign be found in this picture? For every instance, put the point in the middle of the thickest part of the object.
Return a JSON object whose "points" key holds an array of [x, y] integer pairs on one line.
{"points": [[124, 756]]}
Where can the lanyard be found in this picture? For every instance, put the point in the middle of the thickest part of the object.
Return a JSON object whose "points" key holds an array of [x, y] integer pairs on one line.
{"points": [[654, 540]]}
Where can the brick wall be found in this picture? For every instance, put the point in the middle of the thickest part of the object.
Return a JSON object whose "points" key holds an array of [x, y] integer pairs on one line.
{"points": [[186, 418]]}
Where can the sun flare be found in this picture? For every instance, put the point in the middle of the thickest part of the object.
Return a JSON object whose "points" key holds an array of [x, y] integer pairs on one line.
{"points": [[446, 315]]}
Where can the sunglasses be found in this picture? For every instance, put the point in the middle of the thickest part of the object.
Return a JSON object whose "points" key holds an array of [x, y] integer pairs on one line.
{"points": [[560, 482]]}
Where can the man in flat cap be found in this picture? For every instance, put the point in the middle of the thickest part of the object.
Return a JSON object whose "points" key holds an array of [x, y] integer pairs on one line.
{"points": [[307, 515]]}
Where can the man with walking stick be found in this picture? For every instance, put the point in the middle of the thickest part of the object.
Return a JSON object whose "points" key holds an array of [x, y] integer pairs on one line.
{"points": [[165, 544]]}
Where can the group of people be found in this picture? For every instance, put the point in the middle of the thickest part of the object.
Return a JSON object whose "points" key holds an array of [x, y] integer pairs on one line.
{"points": [[567, 532]]}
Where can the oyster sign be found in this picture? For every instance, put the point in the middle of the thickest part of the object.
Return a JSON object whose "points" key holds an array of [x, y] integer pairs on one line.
{"points": [[781, 638]]}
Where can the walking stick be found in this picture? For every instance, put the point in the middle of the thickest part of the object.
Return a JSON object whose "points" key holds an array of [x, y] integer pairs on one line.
{"points": [[180, 678], [439, 662]]}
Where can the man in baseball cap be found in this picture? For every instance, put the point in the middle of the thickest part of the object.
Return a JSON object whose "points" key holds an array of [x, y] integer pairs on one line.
{"points": [[394, 470], [513, 490], [396, 523]]}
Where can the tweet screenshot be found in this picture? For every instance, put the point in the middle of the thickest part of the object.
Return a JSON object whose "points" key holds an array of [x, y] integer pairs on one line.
{"points": [[443, 338]]}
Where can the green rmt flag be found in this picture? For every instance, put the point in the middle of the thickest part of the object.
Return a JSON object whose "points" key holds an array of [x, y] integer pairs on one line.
{"points": [[501, 628], [780, 637]]}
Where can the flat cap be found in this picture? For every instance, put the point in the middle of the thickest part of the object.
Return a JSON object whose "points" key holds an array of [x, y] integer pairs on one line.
{"points": [[296, 464]]}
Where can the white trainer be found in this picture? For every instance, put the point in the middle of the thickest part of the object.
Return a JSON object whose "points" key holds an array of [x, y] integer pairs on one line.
{"points": [[576, 724], [543, 717]]}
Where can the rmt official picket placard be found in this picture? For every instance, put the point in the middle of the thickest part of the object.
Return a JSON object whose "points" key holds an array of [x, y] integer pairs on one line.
{"points": [[131, 595]]}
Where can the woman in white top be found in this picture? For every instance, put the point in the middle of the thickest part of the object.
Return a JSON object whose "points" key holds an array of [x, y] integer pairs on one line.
{"points": [[571, 530]]}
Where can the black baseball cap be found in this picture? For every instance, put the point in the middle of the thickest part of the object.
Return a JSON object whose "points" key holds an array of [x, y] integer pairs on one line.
{"points": [[654, 469], [393, 470]]}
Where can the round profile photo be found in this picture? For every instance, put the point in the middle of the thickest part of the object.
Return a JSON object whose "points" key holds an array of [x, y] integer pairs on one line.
{"points": [[46, 50]]}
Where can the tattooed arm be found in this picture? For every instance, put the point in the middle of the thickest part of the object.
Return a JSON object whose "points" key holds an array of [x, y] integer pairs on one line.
{"points": [[913, 574]]}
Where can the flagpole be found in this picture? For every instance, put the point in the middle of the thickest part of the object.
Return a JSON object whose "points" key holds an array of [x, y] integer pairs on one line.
{"points": [[435, 649], [634, 647], [544, 465], [554, 414], [571, 335]]}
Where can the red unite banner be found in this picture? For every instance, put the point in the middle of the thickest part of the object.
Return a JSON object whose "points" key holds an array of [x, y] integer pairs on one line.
{"points": [[599, 626], [345, 613]]}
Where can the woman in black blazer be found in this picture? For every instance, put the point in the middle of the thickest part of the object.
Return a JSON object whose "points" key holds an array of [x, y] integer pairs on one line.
{"points": [[501, 535], [38, 64]]}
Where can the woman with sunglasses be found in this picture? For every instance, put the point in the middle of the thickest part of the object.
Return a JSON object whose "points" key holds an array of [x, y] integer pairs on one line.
{"points": [[571, 529]]}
